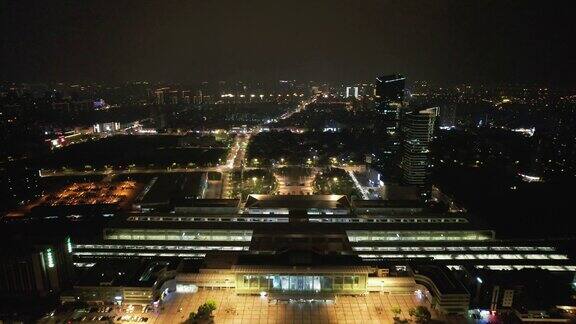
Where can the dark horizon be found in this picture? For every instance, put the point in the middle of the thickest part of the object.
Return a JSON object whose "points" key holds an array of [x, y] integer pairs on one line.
{"points": [[445, 42]]}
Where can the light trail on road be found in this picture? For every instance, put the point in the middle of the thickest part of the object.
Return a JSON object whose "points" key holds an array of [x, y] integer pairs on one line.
{"points": [[363, 190]]}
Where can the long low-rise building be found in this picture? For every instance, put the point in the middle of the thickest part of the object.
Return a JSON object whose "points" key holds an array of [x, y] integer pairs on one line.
{"points": [[395, 248], [297, 274]]}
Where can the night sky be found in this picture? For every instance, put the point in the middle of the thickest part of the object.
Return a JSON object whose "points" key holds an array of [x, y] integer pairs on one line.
{"points": [[441, 41]]}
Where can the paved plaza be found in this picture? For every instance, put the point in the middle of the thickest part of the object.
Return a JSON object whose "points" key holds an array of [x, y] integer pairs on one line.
{"points": [[372, 308]]}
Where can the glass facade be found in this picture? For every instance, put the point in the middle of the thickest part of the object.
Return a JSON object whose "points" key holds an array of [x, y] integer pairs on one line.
{"points": [[305, 283]]}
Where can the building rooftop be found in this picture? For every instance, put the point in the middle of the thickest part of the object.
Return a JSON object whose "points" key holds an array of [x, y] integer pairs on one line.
{"points": [[125, 272], [86, 198], [165, 187], [193, 202], [166, 221], [375, 203], [91, 193], [443, 279], [300, 261], [298, 201], [390, 78]]}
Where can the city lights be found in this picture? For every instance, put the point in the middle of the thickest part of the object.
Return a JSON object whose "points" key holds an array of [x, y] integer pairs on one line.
{"points": [[290, 162]]}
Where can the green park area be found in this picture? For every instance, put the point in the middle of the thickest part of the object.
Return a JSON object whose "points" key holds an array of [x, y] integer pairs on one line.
{"points": [[255, 181], [334, 181]]}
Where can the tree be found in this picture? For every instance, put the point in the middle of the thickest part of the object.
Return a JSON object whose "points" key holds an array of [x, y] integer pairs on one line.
{"points": [[204, 312], [422, 314], [207, 308], [396, 311]]}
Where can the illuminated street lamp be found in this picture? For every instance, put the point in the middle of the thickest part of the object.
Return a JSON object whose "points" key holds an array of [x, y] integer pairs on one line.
{"points": [[479, 283]]}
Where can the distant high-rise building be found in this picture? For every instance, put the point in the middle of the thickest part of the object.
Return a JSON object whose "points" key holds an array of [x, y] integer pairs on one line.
{"points": [[352, 92], [160, 94], [110, 127], [174, 97], [199, 98], [389, 102], [389, 98], [160, 97], [417, 129], [390, 88], [447, 115], [186, 98]]}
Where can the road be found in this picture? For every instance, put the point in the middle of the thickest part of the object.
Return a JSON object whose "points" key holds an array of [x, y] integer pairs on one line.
{"points": [[298, 109], [363, 190], [238, 163]]}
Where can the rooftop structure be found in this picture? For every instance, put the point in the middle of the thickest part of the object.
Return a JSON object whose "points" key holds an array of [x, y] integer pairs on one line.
{"points": [[85, 199], [91, 193], [205, 206], [164, 188], [265, 204]]}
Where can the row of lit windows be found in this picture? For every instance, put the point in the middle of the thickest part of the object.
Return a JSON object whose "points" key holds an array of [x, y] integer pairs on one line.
{"points": [[161, 247], [471, 256], [454, 248], [520, 267], [341, 211], [285, 219], [178, 235], [182, 255], [209, 219], [418, 220], [84, 264], [368, 236], [256, 211]]}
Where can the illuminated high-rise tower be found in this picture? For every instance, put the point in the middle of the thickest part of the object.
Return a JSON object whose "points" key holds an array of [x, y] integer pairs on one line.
{"points": [[417, 129]]}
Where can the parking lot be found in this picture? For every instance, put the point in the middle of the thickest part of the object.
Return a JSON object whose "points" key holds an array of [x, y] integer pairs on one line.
{"points": [[108, 314]]}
